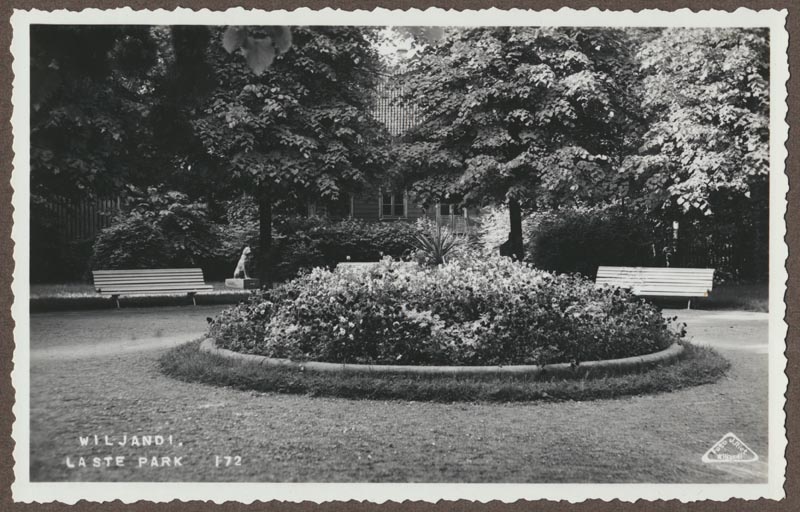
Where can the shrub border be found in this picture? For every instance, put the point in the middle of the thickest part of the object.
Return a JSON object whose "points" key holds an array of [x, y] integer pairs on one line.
{"points": [[555, 370]]}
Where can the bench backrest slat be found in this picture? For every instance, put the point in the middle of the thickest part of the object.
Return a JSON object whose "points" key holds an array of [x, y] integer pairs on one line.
{"points": [[659, 281], [156, 280], [149, 271], [145, 280]]}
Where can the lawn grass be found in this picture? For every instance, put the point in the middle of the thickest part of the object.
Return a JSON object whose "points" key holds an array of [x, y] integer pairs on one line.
{"points": [[75, 290], [739, 297], [696, 366], [745, 297], [82, 296], [283, 437], [51, 290]]}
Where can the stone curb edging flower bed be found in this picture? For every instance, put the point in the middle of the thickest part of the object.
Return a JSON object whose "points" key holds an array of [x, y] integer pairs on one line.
{"points": [[559, 369]]}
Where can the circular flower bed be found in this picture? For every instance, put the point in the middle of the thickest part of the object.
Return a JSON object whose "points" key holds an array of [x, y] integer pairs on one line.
{"points": [[481, 311]]}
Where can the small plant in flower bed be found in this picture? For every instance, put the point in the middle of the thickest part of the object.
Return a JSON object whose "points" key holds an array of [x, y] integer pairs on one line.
{"points": [[487, 311], [436, 244]]}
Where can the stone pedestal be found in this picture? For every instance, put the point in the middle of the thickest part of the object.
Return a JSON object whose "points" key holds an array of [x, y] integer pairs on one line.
{"points": [[242, 284]]}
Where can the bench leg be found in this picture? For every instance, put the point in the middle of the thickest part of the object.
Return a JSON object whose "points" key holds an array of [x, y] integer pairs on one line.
{"points": [[689, 304], [116, 299], [193, 300]]}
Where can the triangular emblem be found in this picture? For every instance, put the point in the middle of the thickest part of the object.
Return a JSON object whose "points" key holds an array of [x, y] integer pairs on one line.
{"points": [[730, 449]]}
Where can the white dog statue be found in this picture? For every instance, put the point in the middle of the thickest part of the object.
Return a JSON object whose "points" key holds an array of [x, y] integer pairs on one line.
{"points": [[241, 267]]}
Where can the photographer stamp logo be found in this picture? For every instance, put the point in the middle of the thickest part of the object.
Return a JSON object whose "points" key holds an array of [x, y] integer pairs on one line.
{"points": [[730, 449]]}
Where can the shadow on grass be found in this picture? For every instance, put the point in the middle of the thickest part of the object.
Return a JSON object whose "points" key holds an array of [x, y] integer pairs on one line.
{"points": [[82, 296], [739, 297], [696, 366], [46, 304]]}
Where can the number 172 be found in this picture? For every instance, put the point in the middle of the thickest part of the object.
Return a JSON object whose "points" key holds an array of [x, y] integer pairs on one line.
{"points": [[227, 461]]}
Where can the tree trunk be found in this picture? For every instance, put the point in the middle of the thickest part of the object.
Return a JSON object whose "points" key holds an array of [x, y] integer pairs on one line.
{"points": [[265, 236], [515, 232]]}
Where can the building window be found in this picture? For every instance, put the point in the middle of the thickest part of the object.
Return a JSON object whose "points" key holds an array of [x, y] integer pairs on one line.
{"points": [[341, 208], [393, 205], [451, 209]]}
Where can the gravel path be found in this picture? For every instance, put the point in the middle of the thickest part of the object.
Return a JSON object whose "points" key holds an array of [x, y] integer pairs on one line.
{"points": [[95, 373]]}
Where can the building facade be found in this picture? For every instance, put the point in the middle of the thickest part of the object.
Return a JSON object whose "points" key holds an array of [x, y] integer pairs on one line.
{"points": [[386, 205]]}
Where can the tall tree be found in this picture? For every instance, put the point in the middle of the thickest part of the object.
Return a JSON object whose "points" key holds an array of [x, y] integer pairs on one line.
{"points": [[706, 150], [521, 116], [301, 127]]}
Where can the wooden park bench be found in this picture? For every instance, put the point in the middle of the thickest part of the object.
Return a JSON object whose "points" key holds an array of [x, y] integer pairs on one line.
{"points": [[659, 281], [156, 281]]}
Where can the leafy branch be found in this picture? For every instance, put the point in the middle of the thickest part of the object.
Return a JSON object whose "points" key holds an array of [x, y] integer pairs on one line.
{"points": [[259, 50]]}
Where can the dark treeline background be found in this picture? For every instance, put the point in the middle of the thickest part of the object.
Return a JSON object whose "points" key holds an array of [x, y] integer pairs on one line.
{"points": [[153, 130]]}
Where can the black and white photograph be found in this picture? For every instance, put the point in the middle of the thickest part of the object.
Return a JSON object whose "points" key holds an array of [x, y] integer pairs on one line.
{"points": [[389, 249]]}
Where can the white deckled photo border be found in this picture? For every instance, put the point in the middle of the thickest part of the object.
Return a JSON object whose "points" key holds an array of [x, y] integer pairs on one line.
{"points": [[24, 490]]}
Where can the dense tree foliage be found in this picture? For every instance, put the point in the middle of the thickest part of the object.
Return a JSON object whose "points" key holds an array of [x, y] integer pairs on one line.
{"points": [[300, 129], [258, 51], [90, 99], [110, 107], [114, 106], [671, 122], [706, 94], [522, 116]]}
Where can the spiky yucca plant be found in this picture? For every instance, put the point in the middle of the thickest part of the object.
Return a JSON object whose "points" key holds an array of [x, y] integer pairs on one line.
{"points": [[436, 243]]}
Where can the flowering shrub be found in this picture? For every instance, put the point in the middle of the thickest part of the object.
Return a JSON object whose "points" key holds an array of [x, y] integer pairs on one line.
{"points": [[468, 312]]}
